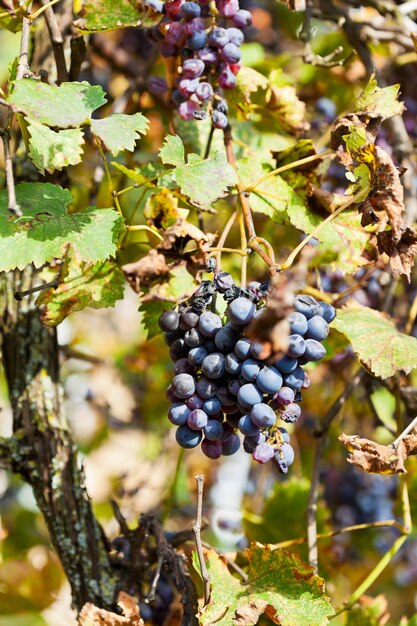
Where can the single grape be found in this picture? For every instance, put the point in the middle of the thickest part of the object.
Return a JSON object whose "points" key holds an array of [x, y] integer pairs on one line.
{"points": [[193, 26], [224, 396], [193, 338], [241, 310], [291, 413], [197, 419], [327, 311], [284, 396], [218, 37], [204, 91], [249, 395], [209, 323], [298, 323], [197, 40], [237, 37], [169, 321], [188, 438], [192, 68], [296, 346], [175, 33], [227, 80], [178, 413], [231, 53], [225, 339], [213, 365], [183, 366], [262, 415], [247, 427], [212, 406], [232, 364], [318, 328], [286, 365], [314, 350], [194, 402], [178, 350], [189, 10], [219, 120], [208, 54], [188, 319], [269, 380], [177, 98], [206, 388], [223, 281], [242, 19], [187, 86], [213, 430], [243, 349], [197, 355], [231, 445], [263, 452], [183, 385], [221, 106], [250, 370], [307, 305], [187, 110], [228, 8], [295, 379], [212, 449]]}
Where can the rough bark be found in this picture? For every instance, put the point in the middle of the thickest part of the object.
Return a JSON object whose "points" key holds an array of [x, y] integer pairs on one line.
{"points": [[41, 449]]}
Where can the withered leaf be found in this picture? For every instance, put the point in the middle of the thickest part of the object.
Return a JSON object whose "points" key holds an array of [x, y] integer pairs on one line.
{"points": [[91, 615], [376, 458], [402, 253], [248, 615], [146, 270]]}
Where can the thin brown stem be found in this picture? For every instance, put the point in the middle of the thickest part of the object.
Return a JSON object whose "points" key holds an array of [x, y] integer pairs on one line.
{"points": [[12, 205], [222, 240], [197, 533], [57, 42]]}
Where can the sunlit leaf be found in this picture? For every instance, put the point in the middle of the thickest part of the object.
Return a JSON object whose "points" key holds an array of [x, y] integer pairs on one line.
{"points": [[103, 15], [379, 102], [172, 152], [120, 132], [50, 150]]}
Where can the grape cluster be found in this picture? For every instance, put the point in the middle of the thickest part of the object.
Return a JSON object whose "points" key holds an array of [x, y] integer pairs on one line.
{"points": [[207, 55], [225, 383]]}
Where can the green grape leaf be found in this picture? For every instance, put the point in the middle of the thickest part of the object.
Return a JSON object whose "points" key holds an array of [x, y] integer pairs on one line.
{"points": [[119, 131], [172, 152], [377, 102], [279, 585], [204, 181], [65, 106], [46, 228], [370, 612], [103, 15], [85, 285], [12, 20], [270, 197], [375, 340], [50, 150]]}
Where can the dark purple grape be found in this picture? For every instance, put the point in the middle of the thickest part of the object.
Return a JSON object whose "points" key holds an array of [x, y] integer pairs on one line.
{"points": [[189, 10], [262, 415], [223, 281], [327, 311], [187, 110], [197, 419], [214, 430], [231, 445], [208, 55], [249, 395], [247, 427], [188, 438], [197, 40], [213, 365], [286, 365], [175, 33], [204, 91], [206, 388], [243, 349], [225, 339], [227, 80], [235, 36], [212, 406], [177, 98], [197, 355], [242, 19], [296, 346], [212, 449], [193, 338], [250, 370], [219, 120], [178, 413], [225, 397], [295, 379], [228, 8], [284, 396], [218, 37], [298, 323], [209, 323], [269, 380], [241, 310], [307, 305], [169, 321], [183, 386], [192, 68], [318, 328], [157, 85], [183, 366], [194, 402], [178, 350], [187, 86], [231, 53], [314, 350]]}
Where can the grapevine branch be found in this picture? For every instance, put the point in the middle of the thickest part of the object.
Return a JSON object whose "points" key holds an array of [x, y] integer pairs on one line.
{"points": [[56, 40]]}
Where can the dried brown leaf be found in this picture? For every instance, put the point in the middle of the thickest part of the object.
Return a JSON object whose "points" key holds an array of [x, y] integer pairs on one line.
{"points": [[248, 615], [402, 253], [91, 615], [376, 458], [144, 272]]}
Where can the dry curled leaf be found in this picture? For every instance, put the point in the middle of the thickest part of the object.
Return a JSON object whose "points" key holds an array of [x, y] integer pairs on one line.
{"points": [[376, 458], [91, 615], [401, 253], [144, 272], [249, 614]]}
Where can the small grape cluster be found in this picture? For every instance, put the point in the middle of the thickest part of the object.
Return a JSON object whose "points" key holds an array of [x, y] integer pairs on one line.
{"points": [[208, 55], [225, 383]]}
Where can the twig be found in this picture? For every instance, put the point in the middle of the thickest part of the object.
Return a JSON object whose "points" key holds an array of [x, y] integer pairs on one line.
{"points": [[19, 295], [405, 432], [12, 205], [197, 533], [57, 42], [78, 54], [220, 245]]}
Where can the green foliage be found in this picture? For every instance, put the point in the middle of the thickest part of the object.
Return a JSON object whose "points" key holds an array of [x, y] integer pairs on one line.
{"points": [[172, 152], [104, 15], [65, 106], [376, 102], [95, 285], [372, 612], [279, 584], [50, 150], [376, 342], [46, 228], [119, 132]]}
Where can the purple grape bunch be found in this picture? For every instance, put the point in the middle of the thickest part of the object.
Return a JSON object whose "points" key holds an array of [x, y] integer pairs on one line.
{"points": [[204, 38], [224, 386]]}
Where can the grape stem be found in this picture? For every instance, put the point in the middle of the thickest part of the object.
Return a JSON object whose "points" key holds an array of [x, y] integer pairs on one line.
{"points": [[289, 166], [220, 245], [253, 241], [197, 533]]}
